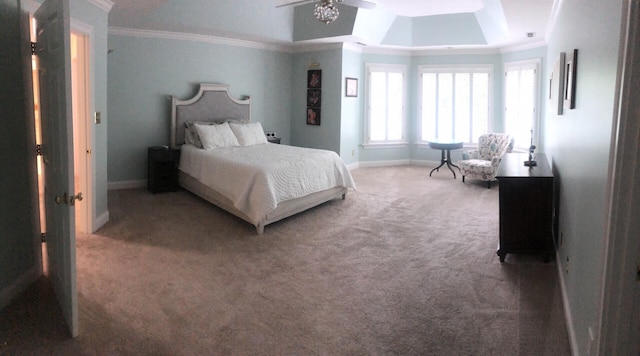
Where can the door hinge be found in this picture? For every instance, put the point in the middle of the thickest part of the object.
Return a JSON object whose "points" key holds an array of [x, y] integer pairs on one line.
{"points": [[43, 237], [38, 150], [33, 48]]}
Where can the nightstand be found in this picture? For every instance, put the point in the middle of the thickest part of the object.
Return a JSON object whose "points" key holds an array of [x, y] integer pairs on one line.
{"points": [[273, 139], [162, 164]]}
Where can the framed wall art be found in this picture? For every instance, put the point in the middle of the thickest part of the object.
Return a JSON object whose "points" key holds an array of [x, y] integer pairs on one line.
{"points": [[556, 84], [570, 79], [314, 96], [351, 87]]}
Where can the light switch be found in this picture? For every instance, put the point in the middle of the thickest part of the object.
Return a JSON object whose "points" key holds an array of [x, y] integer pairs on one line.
{"points": [[97, 117]]}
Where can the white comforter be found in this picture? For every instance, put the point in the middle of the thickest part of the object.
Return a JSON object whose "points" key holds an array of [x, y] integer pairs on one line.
{"points": [[257, 178]]}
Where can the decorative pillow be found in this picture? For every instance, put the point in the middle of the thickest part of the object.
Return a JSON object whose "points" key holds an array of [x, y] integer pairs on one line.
{"points": [[216, 136], [191, 136], [249, 134]]}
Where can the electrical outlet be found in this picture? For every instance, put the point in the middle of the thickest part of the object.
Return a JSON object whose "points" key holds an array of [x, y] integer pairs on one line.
{"points": [[270, 133], [97, 117], [566, 265]]}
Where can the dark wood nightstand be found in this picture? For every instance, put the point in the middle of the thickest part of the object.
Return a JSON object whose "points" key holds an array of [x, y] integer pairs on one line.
{"points": [[162, 164], [273, 139]]}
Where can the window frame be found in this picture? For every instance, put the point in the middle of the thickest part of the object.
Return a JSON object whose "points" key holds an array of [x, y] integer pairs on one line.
{"points": [[536, 63], [455, 68], [387, 68]]}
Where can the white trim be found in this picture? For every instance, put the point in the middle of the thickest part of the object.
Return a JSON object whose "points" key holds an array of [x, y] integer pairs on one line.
{"points": [[127, 184], [100, 221], [389, 163], [619, 311], [573, 341], [104, 5], [131, 32], [386, 68], [19, 286], [375, 145], [454, 68], [536, 64]]}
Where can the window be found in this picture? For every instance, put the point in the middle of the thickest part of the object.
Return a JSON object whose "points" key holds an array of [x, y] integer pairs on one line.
{"points": [[521, 101], [455, 102], [386, 116]]}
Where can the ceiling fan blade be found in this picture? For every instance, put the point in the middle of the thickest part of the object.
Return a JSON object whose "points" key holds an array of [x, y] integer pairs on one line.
{"points": [[363, 4], [295, 3]]}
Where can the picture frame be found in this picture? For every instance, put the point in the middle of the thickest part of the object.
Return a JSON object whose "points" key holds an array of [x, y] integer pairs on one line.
{"points": [[314, 98], [556, 84], [313, 116], [314, 79], [570, 79], [351, 87]]}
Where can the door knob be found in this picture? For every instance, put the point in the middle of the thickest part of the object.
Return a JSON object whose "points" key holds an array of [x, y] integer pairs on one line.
{"points": [[68, 199], [62, 199], [73, 198]]}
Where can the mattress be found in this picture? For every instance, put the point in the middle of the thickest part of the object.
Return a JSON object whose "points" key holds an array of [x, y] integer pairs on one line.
{"points": [[257, 178]]}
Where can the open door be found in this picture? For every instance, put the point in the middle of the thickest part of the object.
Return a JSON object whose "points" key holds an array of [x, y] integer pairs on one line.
{"points": [[54, 73]]}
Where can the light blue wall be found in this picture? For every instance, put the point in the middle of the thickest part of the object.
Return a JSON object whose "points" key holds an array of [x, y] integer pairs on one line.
{"points": [[143, 72], [352, 109], [327, 134], [579, 144], [455, 29]]}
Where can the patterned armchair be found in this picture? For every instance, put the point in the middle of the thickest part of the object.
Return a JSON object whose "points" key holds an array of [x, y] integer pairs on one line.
{"points": [[483, 163]]}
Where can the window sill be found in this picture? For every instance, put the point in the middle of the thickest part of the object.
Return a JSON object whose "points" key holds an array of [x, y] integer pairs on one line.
{"points": [[367, 146]]}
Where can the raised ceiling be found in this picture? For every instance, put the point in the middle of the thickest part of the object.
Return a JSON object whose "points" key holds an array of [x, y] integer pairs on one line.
{"points": [[408, 23]]}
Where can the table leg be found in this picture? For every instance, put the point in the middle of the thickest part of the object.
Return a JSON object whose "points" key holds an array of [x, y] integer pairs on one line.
{"points": [[442, 162], [449, 164]]}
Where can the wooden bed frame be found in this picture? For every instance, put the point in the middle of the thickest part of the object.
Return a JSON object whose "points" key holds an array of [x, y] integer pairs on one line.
{"points": [[214, 103]]}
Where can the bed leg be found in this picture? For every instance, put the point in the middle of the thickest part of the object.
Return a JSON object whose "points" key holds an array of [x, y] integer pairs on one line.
{"points": [[259, 229], [344, 196]]}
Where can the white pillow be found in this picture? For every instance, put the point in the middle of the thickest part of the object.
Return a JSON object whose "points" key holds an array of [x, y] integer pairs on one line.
{"points": [[216, 136], [191, 136], [249, 134]]}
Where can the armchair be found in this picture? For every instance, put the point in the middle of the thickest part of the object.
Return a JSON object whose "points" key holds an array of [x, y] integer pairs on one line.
{"points": [[483, 163]]}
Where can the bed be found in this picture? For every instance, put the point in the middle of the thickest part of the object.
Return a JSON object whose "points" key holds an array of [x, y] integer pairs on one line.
{"points": [[259, 182]]}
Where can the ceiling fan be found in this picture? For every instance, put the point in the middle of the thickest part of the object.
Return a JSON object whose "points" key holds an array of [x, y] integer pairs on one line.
{"points": [[325, 10]]}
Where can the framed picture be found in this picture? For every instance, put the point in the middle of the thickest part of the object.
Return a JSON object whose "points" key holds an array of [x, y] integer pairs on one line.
{"points": [[314, 79], [556, 84], [570, 78], [351, 87], [313, 116], [314, 98]]}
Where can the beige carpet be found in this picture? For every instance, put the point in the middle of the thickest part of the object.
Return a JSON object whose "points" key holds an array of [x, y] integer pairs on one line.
{"points": [[406, 265]]}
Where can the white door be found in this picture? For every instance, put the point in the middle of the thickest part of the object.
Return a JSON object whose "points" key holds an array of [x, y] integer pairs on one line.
{"points": [[53, 52]]}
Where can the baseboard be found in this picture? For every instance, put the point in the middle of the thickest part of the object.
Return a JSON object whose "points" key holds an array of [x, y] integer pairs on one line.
{"points": [[403, 162], [19, 286], [127, 184], [101, 220], [567, 310]]}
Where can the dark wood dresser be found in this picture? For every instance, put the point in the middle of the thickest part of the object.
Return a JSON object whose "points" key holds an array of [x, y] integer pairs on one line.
{"points": [[526, 206], [162, 169]]}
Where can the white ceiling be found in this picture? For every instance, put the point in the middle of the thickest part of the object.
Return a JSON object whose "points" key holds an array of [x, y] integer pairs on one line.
{"points": [[416, 8], [522, 16]]}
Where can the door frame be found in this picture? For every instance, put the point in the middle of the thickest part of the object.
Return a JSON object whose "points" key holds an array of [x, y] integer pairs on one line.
{"points": [[85, 31], [620, 314]]}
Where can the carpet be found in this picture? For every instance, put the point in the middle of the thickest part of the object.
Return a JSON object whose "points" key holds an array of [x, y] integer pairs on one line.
{"points": [[406, 265]]}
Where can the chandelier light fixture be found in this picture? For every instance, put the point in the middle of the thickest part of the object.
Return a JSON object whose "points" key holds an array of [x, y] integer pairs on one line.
{"points": [[326, 11]]}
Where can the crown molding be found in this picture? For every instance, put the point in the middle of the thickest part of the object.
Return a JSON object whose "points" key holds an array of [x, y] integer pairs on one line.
{"points": [[167, 35], [298, 47], [104, 5]]}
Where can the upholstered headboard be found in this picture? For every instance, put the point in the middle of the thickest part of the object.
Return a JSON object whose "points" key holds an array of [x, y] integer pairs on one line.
{"points": [[212, 103]]}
